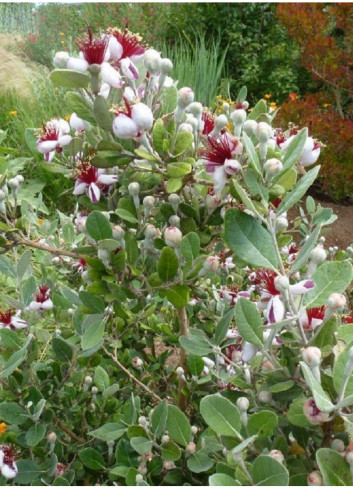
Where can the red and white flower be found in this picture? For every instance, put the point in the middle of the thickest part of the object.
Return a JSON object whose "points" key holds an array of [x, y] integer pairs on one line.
{"points": [[93, 51], [310, 153], [313, 413], [271, 300], [8, 467], [124, 44], [313, 317], [54, 135], [8, 321], [92, 181], [42, 300], [132, 121], [219, 157]]}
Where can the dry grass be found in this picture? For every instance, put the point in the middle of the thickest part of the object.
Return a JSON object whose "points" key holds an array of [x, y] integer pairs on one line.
{"points": [[15, 73]]}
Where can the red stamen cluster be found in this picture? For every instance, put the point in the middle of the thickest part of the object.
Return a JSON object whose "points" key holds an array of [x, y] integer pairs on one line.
{"points": [[208, 120], [9, 455], [86, 172], [48, 133], [266, 280], [131, 43], [315, 313], [93, 49], [5, 317], [43, 294], [218, 150]]}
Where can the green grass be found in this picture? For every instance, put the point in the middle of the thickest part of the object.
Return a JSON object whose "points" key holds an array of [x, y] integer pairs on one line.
{"points": [[197, 64]]}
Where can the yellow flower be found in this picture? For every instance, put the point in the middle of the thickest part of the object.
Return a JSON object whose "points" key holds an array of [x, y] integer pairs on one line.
{"points": [[273, 105], [13, 113], [40, 221], [61, 34], [267, 96], [327, 105], [2, 428], [67, 117], [62, 42]]}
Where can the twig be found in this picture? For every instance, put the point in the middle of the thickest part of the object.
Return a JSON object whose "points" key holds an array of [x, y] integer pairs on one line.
{"points": [[68, 431], [183, 331], [49, 249], [132, 377]]}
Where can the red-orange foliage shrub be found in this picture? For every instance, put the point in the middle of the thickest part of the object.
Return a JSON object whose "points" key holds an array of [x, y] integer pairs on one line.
{"points": [[316, 112]]}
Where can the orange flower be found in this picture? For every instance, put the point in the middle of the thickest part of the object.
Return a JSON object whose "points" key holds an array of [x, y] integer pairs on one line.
{"points": [[2, 428], [67, 117], [13, 113], [267, 96], [40, 221]]}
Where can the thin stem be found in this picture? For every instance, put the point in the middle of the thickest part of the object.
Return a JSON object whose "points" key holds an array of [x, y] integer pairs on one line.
{"points": [[183, 331], [132, 377], [49, 249]]}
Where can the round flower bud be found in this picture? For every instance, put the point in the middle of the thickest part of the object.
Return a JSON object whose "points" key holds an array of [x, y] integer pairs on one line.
{"points": [[195, 108], [118, 232], [137, 362], [165, 439], [142, 421], [281, 224], [152, 60], [220, 121], [174, 199], [263, 132], [134, 188], [243, 404], [185, 97], [94, 390], [337, 301], [315, 479], [338, 445], [13, 183], [51, 437], [60, 59], [139, 478], [172, 236], [349, 457], [318, 255], [20, 179], [265, 397], [70, 311], [238, 116], [151, 231], [277, 455], [250, 127], [166, 66], [194, 430], [174, 221], [167, 465], [273, 166], [88, 380], [212, 201], [179, 371], [281, 283], [142, 469], [232, 166], [191, 448], [313, 413], [208, 362], [311, 356], [211, 264]]}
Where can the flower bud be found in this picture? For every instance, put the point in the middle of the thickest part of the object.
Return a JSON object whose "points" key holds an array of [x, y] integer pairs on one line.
{"points": [[318, 255], [196, 109], [311, 356], [166, 66], [185, 97], [212, 201], [337, 301], [20, 179], [273, 166], [167, 465], [51, 437], [134, 189], [60, 59], [315, 479], [281, 283], [174, 200], [152, 60], [349, 458], [179, 371], [186, 127], [94, 390], [88, 380], [142, 421], [142, 469], [118, 232], [338, 445], [277, 455], [151, 231], [263, 132], [232, 166], [165, 439], [243, 404], [281, 224], [250, 127], [313, 413], [194, 430], [208, 362], [172, 236], [137, 362], [238, 116], [190, 448], [211, 264], [174, 221], [265, 397], [13, 183], [138, 478], [220, 122]]}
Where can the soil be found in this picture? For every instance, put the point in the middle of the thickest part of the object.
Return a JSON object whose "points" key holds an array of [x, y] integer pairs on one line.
{"points": [[340, 233]]}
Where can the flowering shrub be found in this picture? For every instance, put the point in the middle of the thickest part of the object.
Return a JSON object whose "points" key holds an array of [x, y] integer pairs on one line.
{"points": [[170, 330]]}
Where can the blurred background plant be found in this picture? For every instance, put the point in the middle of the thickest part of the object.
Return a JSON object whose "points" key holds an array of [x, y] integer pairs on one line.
{"points": [[276, 50]]}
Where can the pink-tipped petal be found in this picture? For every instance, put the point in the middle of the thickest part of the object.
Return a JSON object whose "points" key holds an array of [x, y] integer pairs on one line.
{"points": [[94, 193]]}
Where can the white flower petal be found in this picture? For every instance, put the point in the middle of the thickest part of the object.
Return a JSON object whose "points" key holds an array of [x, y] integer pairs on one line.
{"points": [[77, 123], [46, 146], [115, 48], [142, 115], [64, 140], [18, 323], [107, 179], [275, 310], [302, 287], [219, 179], [124, 127], [9, 472], [110, 75], [94, 193], [77, 64], [249, 351], [34, 306], [80, 188], [46, 305]]}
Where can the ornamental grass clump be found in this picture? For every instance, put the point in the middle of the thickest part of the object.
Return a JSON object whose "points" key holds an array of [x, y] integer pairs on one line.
{"points": [[174, 327]]}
